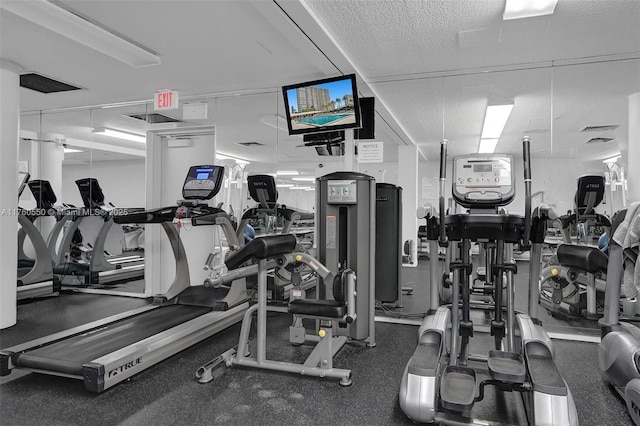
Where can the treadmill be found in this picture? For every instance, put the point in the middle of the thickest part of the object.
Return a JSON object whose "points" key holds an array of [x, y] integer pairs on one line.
{"points": [[262, 188], [99, 267], [35, 275], [104, 353]]}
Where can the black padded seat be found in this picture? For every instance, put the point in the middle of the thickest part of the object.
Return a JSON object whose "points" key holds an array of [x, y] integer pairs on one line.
{"points": [[262, 248], [318, 308], [585, 258]]}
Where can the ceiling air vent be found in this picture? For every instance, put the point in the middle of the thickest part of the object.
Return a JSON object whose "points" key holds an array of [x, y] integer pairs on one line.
{"points": [[154, 118], [608, 128], [599, 140], [43, 84], [250, 144]]}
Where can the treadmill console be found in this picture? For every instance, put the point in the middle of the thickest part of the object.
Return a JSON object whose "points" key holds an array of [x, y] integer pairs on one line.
{"points": [[483, 181], [202, 182], [43, 193], [91, 193]]}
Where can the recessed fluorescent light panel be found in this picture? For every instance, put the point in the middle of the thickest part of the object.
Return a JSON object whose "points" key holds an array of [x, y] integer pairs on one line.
{"points": [[304, 179], [119, 134], [494, 121], [517, 9], [487, 146], [285, 185], [71, 150], [61, 21], [612, 159], [301, 187], [287, 173]]}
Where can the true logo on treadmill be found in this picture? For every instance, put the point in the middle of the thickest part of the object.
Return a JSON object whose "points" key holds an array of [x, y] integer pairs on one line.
{"points": [[124, 367]]}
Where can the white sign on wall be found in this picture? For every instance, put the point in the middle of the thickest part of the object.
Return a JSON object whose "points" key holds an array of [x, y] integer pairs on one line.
{"points": [[370, 152]]}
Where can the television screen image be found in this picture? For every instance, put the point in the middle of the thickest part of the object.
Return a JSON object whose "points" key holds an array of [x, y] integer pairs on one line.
{"points": [[322, 105]]}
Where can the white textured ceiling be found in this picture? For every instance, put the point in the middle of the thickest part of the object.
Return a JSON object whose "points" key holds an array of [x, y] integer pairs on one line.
{"points": [[433, 66], [437, 64]]}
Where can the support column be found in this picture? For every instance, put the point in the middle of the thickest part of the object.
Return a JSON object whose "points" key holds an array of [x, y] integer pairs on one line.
{"points": [[633, 152], [408, 180], [9, 130]]}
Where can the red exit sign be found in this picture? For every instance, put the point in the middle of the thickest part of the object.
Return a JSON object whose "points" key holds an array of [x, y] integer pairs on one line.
{"points": [[165, 99]]}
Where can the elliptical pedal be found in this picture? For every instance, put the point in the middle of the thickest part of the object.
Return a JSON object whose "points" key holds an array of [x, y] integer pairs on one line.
{"points": [[458, 388], [506, 366]]}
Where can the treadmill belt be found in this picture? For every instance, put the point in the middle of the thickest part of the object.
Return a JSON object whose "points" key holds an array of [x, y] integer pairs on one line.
{"points": [[68, 355]]}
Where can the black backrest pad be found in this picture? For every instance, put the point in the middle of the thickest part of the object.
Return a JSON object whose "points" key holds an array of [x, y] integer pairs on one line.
{"points": [[340, 286], [264, 183], [262, 248], [589, 186]]}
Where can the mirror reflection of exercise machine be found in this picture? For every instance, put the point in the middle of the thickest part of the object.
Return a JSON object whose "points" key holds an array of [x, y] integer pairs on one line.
{"points": [[573, 284], [267, 218], [104, 267], [35, 275], [440, 380], [106, 352]]}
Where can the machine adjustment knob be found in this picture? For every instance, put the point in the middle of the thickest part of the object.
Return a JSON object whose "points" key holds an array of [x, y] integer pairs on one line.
{"points": [[554, 272], [322, 333]]}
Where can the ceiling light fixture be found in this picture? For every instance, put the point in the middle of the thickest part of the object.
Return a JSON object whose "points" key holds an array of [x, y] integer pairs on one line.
{"points": [[487, 146], [285, 185], [304, 179], [105, 131], [287, 173], [516, 9], [71, 150], [70, 25], [495, 119], [221, 156], [301, 187], [612, 160]]}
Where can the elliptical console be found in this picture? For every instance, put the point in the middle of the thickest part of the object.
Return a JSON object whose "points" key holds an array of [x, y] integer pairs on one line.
{"points": [[480, 180]]}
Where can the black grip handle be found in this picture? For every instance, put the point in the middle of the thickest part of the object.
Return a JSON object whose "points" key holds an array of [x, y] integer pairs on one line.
{"points": [[443, 241], [526, 155]]}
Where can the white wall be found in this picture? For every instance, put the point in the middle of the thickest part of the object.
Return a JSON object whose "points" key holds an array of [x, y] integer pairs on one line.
{"points": [[122, 182]]}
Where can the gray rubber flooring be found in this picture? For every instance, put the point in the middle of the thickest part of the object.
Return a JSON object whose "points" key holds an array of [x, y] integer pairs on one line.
{"points": [[169, 394]]}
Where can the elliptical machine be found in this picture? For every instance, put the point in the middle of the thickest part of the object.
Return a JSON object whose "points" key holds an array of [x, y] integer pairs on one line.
{"points": [[440, 380]]}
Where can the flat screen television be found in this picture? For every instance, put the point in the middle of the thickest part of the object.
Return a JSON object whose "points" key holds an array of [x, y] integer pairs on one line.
{"points": [[322, 105]]}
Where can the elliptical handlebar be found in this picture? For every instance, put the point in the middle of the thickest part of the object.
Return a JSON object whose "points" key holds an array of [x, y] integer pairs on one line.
{"points": [[526, 155], [442, 240]]}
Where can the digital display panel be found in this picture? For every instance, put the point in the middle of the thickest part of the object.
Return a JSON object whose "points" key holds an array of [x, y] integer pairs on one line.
{"points": [[322, 105], [203, 174], [480, 168]]}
